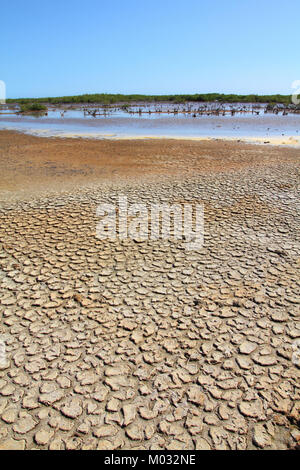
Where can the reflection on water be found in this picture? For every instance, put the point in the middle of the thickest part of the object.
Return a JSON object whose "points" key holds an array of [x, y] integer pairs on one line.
{"points": [[157, 120]]}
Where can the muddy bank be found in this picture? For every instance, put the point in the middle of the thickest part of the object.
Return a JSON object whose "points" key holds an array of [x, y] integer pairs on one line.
{"points": [[31, 165]]}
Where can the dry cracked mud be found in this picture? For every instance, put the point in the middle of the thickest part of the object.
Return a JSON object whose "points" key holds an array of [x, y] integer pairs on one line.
{"points": [[130, 344]]}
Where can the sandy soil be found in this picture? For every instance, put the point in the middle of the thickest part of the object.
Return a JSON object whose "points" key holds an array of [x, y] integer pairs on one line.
{"points": [[130, 344], [31, 165]]}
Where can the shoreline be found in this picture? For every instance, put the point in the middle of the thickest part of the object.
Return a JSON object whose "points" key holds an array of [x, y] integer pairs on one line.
{"points": [[275, 140]]}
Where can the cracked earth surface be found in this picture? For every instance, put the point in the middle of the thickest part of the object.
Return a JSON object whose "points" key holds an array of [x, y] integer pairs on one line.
{"points": [[145, 345]]}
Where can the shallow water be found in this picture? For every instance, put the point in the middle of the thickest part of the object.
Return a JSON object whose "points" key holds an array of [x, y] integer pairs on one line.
{"points": [[118, 123]]}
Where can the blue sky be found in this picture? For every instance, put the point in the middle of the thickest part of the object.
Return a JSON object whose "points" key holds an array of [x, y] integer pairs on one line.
{"points": [[67, 47]]}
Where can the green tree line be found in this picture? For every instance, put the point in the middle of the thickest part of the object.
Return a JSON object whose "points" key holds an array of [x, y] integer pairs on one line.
{"points": [[109, 99]]}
